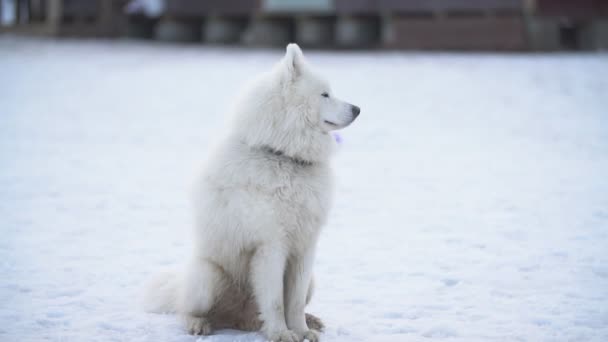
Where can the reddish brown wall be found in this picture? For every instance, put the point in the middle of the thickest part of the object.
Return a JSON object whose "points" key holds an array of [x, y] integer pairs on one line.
{"points": [[505, 33], [580, 9], [197, 8], [421, 6]]}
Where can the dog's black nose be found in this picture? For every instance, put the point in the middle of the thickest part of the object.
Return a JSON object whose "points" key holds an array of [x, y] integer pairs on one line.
{"points": [[356, 110]]}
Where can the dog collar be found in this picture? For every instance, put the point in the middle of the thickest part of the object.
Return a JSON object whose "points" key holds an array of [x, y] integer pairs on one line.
{"points": [[282, 155]]}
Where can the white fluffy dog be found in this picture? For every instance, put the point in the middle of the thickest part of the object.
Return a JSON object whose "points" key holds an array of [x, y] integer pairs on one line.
{"points": [[264, 195]]}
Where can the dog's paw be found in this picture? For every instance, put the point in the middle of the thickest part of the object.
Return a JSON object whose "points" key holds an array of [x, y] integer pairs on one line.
{"points": [[283, 336], [310, 336], [198, 325], [314, 323]]}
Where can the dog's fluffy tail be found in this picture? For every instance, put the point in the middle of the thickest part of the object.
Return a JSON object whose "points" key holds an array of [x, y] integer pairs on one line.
{"points": [[161, 293]]}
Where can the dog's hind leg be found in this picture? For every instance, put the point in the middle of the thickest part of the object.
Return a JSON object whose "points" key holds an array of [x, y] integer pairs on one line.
{"points": [[314, 322], [200, 289]]}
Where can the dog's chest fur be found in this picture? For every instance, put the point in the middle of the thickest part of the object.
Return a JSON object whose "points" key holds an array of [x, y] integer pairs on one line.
{"points": [[299, 193], [273, 196]]}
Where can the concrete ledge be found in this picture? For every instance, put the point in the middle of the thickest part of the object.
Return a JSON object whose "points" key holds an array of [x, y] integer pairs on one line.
{"points": [[543, 34], [223, 30], [357, 31], [269, 32], [172, 30], [317, 31], [140, 27], [594, 36], [387, 31]]}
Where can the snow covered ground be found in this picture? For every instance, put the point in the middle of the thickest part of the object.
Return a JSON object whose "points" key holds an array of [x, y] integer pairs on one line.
{"points": [[472, 202]]}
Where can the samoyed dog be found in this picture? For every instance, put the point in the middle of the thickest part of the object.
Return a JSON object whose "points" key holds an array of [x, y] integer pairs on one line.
{"points": [[263, 198]]}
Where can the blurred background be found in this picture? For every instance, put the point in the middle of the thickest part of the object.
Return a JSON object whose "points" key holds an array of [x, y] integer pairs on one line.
{"points": [[391, 24], [471, 193]]}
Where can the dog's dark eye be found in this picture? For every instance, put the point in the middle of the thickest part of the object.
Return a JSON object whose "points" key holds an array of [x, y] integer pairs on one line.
{"points": [[325, 95]]}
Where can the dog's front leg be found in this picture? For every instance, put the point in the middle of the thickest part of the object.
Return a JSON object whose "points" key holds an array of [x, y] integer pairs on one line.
{"points": [[267, 270], [298, 278]]}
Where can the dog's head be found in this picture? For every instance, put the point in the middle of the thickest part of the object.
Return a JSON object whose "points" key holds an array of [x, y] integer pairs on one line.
{"points": [[310, 95], [292, 109]]}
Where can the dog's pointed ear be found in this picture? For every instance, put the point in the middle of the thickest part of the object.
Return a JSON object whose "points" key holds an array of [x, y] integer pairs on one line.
{"points": [[294, 60]]}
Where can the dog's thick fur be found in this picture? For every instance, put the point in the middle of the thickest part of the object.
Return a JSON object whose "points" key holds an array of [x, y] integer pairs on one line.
{"points": [[262, 200]]}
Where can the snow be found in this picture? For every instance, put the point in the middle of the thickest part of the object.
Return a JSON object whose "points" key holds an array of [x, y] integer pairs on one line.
{"points": [[472, 202]]}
